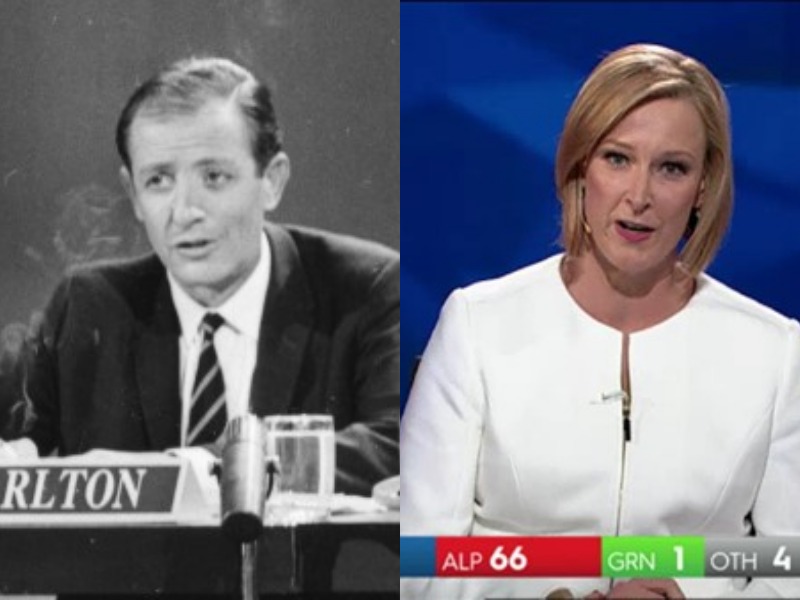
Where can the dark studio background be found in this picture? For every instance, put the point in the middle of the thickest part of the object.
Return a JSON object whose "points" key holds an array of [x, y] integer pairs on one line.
{"points": [[68, 66], [485, 89]]}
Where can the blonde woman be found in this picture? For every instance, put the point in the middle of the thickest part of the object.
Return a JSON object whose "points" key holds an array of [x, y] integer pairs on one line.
{"points": [[614, 389]]}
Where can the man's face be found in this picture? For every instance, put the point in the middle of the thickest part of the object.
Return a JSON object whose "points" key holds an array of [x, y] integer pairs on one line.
{"points": [[196, 187]]}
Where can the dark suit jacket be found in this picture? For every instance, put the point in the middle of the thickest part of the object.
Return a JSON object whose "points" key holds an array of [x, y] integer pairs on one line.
{"points": [[103, 369]]}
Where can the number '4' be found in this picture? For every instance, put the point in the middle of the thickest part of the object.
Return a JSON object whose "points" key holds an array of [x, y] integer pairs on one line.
{"points": [[782, 559]]}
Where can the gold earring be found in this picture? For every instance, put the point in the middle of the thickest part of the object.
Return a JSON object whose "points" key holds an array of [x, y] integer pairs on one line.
{"points": [[581, 199]]}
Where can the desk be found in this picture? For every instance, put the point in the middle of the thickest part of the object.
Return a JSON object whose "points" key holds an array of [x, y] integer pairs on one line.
{"points": [[347, 555]]}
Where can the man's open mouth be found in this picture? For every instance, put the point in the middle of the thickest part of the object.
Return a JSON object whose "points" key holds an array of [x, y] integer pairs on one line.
{"points": [[193, 244]]}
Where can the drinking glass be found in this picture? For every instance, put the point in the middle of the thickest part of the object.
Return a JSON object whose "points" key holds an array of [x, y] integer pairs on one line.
{"points": [[305, 448]]}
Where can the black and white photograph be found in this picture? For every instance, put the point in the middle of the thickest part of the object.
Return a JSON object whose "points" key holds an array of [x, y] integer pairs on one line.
{"points": [[200, 307]]}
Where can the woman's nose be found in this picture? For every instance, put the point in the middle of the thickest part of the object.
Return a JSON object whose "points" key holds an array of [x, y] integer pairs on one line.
{"points": [[638, 194]]}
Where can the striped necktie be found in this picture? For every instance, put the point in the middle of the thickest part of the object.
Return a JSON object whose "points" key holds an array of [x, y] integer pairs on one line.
{"points": [[207, 416]]}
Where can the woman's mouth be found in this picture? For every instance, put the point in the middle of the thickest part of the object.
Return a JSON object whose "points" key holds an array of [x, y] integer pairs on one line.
{"points": [[632, 231]]}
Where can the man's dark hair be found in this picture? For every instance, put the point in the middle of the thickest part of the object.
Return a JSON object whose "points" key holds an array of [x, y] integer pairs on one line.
{"points": [[186, 85]]}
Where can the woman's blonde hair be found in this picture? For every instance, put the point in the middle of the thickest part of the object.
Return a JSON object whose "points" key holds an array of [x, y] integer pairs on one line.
{"points": [[623, 81]]}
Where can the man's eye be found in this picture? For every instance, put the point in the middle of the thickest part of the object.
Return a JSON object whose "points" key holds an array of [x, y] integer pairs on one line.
{"points": [[158, 181], [216, 178]]}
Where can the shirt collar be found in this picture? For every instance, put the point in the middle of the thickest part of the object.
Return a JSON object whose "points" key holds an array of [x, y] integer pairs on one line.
{"points": [[242, 311]]}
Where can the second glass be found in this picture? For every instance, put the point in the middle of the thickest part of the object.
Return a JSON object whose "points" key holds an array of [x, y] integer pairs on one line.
{"points": [[305, 447]]}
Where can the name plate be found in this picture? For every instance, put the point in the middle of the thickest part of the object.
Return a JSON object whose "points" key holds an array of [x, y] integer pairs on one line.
{"points": [[102, 487]]}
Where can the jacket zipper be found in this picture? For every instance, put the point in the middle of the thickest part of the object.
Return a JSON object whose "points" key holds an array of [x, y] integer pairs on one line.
{"points": [[626, 437], [627, 434]]}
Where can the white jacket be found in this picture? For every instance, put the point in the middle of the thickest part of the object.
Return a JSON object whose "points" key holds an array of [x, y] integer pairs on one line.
{"points": [[513, 428]]}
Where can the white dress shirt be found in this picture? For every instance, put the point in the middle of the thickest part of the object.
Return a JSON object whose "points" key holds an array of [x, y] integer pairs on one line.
{"points": [[236, 341], [512, 427]]}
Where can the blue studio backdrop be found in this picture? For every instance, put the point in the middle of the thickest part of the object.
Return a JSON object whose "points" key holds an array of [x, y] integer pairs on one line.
{"points": [[485, 88]]}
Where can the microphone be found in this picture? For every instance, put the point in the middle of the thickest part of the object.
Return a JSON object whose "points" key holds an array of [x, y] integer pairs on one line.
{"points": [[614, 396], [243, 484]]}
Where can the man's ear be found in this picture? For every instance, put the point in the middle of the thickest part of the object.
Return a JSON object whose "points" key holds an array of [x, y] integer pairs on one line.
{"points": [[275, 178], [127, 184]]}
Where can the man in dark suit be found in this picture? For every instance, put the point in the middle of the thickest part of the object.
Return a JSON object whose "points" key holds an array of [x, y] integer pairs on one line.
{"points": [[309, 319]]}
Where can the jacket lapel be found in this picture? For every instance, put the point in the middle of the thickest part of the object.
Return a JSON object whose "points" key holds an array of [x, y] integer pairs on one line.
{"points": [[285, 327], [158, 371]]}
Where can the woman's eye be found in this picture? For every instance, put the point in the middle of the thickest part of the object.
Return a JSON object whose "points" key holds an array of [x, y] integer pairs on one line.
{"points": [[615, 159], [674, 168]]}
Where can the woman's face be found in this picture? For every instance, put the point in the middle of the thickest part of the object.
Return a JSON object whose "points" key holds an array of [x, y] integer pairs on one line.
{"points": [[642, 183]]}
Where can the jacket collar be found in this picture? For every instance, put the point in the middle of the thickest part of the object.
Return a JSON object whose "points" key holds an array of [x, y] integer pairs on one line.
{"points": [[285, 327]]}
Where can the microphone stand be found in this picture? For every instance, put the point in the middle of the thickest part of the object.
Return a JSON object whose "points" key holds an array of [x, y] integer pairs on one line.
{"points": [[249, 551], [245, 490], [249, 581]]}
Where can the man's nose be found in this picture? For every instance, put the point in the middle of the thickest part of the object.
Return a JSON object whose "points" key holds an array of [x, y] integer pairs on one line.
{"points": [[185, 207]]}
